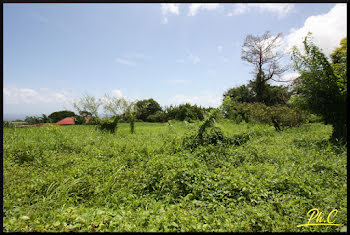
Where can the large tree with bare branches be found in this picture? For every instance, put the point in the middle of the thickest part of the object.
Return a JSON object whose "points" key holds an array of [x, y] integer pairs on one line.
{"points": [[263, 53]]}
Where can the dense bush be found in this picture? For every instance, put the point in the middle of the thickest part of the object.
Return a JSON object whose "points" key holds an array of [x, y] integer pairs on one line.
{"points": [[109, 125], [322, 84], [186, 112], [240, 94], [59, 115], [57, 181], [93, 121], [283, 115], [272, 95], [159, 116], [32, 120], [79, 120]]}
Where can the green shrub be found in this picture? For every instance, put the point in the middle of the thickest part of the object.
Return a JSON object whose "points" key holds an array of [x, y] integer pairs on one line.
{"points": [[7, 124], [110, 125], [94, 121], [159, 116], [279, 115], [79, 120]]}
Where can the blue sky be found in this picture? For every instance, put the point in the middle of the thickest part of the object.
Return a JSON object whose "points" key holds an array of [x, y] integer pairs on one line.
{"points": [[174, 53]]}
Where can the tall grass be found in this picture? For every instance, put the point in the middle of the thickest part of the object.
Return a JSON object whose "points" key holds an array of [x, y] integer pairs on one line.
{"points": [[77, 178]]}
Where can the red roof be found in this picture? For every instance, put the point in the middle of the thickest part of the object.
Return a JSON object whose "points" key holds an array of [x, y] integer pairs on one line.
{"points": [[66, 121]]}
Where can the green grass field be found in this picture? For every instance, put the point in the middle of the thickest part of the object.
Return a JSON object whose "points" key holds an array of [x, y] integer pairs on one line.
{"points": [[77, 178]]}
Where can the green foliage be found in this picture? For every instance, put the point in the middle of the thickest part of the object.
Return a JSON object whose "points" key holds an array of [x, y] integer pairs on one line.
{"points": [[259, 112], [7, 124], [339, 64], [272, 95], [240, 94], [322, 89], [146, 107], [159, 116], [186, 112], [59, 115], [79, 179], [79, 120], [207, 133], [109, 125], [32, 120]]}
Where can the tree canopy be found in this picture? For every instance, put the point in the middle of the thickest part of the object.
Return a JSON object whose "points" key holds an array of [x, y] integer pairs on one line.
{"points": [[146, 108], [59, 115], [320, 86]]}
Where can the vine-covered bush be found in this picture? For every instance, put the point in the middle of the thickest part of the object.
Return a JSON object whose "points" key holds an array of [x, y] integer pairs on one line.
{"points": [[93, 121], [79, 120], [110, 125], [259, 112]]}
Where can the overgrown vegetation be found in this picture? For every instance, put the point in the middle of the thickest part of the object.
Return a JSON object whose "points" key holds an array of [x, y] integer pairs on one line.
{"points": [[204, 170], [79, 179], [322, 85]]}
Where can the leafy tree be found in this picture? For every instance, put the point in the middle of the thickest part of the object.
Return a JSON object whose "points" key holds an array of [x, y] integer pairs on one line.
{"points": [[121, 107], [32, 120], [114, 105], [339, 64], [88, 103], [240, 94], [159, 116], [246, 94], [59, 115], [321, 87], [262, 53], [79, 120], [277, 95], [146, 108], [130, 113], [45, 119], [185, 112]]}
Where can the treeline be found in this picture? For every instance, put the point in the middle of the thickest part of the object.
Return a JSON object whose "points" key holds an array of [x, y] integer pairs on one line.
{"points": [[147, 110]]}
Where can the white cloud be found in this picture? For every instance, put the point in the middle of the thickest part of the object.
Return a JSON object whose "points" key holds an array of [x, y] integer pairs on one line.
{"points": [[206, 100], [195, 7], [125, 62], [220, 48], [171, 8], [281, 9], [327, 30], [193, 58], [168, 8], [118, 93], [239, 8], [14, 95], [289, 77]]}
